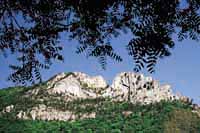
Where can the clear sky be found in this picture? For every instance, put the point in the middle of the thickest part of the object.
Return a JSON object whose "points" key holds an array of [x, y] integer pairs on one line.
{"points": [[181, 69]]}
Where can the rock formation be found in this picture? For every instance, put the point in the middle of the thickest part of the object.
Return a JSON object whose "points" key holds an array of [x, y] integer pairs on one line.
{"points": [[137, 88], [42, 112], [67, 87], [72, 86]]}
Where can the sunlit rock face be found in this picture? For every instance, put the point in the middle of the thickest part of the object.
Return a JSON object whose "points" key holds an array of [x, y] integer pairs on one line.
{"points": [[91, 82], [67, 85], [73, 85], [82, 78], [77, 84], [136, 88]]}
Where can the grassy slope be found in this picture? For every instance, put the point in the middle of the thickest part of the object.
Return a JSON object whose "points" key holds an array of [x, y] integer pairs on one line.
{"points": [[169, 117]]}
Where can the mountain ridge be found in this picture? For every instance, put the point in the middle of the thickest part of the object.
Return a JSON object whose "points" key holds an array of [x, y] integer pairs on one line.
{"points": [[76, 102], [68, 87]]}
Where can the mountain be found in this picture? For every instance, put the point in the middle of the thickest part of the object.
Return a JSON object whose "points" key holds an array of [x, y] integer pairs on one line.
{"points": [[75, 102]]}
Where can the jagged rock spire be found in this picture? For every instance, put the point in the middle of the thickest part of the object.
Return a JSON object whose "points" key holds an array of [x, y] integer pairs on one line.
{"points": [[133, 87]]}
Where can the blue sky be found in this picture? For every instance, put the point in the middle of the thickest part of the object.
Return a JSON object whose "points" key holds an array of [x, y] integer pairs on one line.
{"points": [[181, 69]]}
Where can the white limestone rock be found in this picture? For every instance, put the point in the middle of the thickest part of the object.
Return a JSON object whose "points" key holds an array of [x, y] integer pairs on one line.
{"points": [[22, 115], [71, 85], [136, 88], [76, 85], [91, 82], [68, 85], [55, 79], [42, 112], [8, 109]]}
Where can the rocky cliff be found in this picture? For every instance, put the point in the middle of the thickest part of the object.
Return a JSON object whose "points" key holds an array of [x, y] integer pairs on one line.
{"points": [[126, 86], [54, 99], [137, 88]]}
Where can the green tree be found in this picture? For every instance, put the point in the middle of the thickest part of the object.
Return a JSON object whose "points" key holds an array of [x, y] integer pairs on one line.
{"points": [[32, 30]]}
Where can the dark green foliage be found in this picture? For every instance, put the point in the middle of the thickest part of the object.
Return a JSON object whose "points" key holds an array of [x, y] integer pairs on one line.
{"points": [[31, 29], [11, 96]]}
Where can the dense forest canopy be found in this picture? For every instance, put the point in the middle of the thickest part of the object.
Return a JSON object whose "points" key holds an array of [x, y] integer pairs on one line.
{"points": [[31, 29]]}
